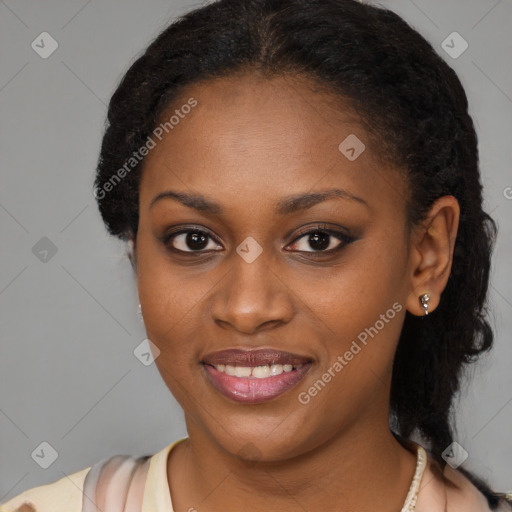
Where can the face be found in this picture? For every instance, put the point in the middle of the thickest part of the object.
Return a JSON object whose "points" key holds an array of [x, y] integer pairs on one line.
{"points": [[270, 259]]}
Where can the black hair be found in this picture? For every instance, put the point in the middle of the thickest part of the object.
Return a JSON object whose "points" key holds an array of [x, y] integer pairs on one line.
{"points": [[409, 99]]}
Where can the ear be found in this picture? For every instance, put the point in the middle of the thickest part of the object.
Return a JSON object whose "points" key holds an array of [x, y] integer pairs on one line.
{"points": [[431, 254], [132, 253]]}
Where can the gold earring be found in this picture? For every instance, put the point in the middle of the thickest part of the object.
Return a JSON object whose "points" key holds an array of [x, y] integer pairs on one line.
{"points": [[424, 302]]}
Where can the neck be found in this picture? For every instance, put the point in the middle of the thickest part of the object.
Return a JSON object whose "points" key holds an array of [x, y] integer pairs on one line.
{"points": [[356, 470]]}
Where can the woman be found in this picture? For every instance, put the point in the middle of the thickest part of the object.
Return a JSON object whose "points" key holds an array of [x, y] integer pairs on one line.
{"points": [[299, 185]]}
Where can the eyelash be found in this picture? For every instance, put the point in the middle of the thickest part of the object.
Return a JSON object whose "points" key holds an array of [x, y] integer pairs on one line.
{"points": [[342, 237]]}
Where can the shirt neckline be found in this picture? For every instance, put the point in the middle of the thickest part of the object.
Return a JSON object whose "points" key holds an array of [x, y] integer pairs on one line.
{"points": [[157, 495]]}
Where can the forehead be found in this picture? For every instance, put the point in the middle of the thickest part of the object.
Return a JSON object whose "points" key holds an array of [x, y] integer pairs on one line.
{"points": [[252, 136]]}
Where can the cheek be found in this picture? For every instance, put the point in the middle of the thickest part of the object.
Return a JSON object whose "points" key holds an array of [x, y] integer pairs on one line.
{"points": [[359, 290], [168, 299], [169, 309], [362, 304]]}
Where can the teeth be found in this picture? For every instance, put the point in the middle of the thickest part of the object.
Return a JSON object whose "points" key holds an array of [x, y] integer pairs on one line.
{"points": [[238, 371], [259, 372]]}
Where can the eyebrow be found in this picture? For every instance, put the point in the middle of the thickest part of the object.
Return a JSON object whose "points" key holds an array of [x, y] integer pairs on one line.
{"points": [[285, 206]]}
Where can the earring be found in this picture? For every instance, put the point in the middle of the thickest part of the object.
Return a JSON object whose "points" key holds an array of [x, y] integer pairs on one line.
{"points": [[141, 318], [424, 302]]}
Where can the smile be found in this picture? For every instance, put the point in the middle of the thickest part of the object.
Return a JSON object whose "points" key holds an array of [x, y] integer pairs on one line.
{"points": [[253, 385], [258, 372]]}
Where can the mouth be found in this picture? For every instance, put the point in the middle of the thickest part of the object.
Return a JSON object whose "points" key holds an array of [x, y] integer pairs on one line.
{"points": [[254, 376]]}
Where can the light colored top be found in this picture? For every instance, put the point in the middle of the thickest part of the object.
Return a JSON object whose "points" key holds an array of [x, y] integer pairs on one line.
{"points": [[65, 494], [426, 494]]}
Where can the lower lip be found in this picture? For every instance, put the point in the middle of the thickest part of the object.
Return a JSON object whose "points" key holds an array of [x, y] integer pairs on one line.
{"points": [[251, 389]]}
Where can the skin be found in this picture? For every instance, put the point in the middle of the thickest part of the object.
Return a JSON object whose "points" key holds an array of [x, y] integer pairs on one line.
{"points": [[249, 143]]}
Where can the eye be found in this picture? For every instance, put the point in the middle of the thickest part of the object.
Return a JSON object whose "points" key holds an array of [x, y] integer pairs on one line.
{"points": [[190, 240], [321, 240]]}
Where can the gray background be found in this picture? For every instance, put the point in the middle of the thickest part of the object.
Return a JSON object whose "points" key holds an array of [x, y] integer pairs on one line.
{"points": [[69, 324]]}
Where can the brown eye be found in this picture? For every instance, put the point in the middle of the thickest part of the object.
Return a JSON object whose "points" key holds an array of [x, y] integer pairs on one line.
{"points": [[190, 240], [321, 240]]}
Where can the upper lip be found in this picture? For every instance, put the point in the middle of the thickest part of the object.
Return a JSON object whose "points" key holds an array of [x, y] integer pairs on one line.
{"points": [[254, 357]]}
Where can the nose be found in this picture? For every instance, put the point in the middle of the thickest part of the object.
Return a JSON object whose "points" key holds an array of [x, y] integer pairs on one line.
{"points": [[252, 297]]}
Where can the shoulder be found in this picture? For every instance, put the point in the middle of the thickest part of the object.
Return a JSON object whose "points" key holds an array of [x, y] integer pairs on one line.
{"points": [[63, 495], [449, 490], [110, 478], [114, 476], [464, 495]]}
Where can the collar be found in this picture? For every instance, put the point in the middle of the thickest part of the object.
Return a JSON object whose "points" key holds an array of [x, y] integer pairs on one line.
{"points": [[433, 494], [157, 495]]}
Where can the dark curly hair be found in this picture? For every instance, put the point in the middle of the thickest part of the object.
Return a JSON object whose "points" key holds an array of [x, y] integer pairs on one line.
{"points": [[413, 106]]}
